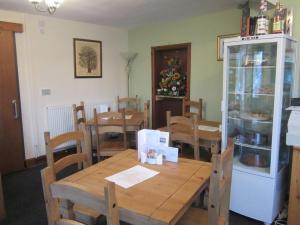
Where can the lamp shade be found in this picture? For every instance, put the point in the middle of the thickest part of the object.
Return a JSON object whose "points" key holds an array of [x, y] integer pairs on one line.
{"points": [[35, 1], [54, 3]]}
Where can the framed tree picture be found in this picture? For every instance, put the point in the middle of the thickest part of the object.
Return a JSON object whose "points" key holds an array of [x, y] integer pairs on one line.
{"points": [[87, 58]]}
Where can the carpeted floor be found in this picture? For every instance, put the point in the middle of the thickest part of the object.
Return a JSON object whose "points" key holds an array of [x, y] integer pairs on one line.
{"points": [[25, 204]]}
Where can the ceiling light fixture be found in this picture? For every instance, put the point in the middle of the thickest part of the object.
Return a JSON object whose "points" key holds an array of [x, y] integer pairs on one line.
{"points": [[51, 5]]}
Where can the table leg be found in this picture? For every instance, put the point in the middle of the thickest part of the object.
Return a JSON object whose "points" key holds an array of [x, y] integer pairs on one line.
{"points": [[136, 139], [2, 208], [90, 131], [66, 209], [294, 200]]}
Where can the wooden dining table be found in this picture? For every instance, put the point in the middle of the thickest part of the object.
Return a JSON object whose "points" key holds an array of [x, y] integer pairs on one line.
{"points": [[207, 139], [160, 200]]}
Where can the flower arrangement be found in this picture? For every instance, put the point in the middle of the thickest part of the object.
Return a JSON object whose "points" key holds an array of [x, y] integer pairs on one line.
{"points": [[172, 78]]}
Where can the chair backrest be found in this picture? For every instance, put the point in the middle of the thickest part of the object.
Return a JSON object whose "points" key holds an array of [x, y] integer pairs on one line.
{"points": [[219, 187], [128, 103], [73, 194], [79, 122], [2, 207], [84, 157], [54, 167], [120, 127], [79, 115], [192, 108], [184, 130], [146, 114]]}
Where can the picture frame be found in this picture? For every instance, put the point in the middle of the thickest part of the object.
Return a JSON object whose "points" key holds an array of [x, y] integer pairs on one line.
{"points": [[220, 44], [87, 58]]}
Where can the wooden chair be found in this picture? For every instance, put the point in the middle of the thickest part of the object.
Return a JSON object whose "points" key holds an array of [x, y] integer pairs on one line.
{"points": [[82, 214], [79, 119], [184, 130], [79, 115], [192, 108], [146, 114], [107, 205], [129, 104], [219, 194], [106, 144], [72, 197], [2, 207]]}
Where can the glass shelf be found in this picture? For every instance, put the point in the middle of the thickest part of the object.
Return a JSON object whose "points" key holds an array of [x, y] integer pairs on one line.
{"points": [[252, 67], [268, 148], [253, 94], [253, 120], [240, 166]]}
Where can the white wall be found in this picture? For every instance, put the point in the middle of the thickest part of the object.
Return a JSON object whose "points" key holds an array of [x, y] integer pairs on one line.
{"points": [[45, 60]]}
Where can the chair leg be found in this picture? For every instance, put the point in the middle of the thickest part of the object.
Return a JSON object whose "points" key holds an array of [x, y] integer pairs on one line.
{"points": [[78, 150], [196, 154]]}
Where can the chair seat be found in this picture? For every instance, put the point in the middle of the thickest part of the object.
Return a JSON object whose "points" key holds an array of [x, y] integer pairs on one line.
{"points": [[112, 144], [85, 215], [194, 216], [111, 147]]}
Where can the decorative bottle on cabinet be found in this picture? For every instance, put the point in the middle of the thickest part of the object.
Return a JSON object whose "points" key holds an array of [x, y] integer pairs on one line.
{"points": [[258, 82]]}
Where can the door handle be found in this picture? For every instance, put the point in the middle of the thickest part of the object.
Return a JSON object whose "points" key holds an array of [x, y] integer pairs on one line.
{"points": [[15, 108]]}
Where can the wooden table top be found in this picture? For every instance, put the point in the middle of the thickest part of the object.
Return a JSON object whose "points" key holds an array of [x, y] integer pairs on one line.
{"points": [[160, 200], [205, 135], [136, 120]]}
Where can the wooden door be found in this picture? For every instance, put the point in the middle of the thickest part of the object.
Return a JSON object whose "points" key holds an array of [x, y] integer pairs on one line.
{"points": [[11, 135], [162, 59]]}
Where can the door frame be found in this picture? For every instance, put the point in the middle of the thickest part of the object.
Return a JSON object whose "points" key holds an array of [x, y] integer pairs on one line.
{"points": [[154, 50]]}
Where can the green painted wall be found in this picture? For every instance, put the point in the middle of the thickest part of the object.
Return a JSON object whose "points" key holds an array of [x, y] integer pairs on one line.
{"points": [[295, 4], [206, 71], [201, 31]]}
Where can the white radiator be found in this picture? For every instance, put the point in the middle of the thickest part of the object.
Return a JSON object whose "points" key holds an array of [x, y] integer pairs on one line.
{"points": [[60, 119]]}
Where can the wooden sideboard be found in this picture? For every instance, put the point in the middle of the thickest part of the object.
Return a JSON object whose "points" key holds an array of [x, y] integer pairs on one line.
{"points": [[294, 200]]}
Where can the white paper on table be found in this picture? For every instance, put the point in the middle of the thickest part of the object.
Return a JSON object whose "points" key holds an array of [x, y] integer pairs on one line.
{"points": [[208, 128], [132, 176], [128, 117], [104, 108]]}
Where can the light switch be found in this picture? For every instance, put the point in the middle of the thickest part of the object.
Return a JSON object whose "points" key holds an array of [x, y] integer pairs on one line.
{"points": [[46, 91]]}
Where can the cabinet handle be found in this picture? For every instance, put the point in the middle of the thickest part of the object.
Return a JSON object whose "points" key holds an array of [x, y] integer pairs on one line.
{"points": [[15, 108]]}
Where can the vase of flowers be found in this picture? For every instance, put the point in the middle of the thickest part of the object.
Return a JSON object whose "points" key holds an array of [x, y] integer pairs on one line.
{"points": [[172, 77]]}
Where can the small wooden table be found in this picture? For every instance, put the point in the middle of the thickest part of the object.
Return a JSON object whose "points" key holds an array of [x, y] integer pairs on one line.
{"points": [[208, 139], [134, 123], [160, 200], [294, 200]]}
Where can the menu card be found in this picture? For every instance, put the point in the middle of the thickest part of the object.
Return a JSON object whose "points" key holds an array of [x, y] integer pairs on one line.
{"points": [[153, 147]]}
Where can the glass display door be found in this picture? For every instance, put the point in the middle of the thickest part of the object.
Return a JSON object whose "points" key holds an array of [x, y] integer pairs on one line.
{"points": [[251, 88]]}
